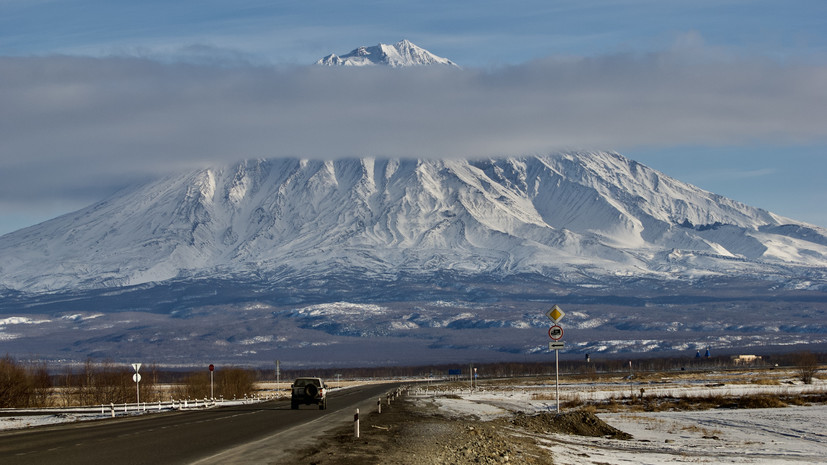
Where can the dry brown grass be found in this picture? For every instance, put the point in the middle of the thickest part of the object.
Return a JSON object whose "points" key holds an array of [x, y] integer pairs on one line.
{"points": [[765, 381], [701, 430], [669, 403], [757, 401]]}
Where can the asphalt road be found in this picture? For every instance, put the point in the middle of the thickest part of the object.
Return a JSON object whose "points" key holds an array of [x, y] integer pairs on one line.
{"points": [[255, 433]]}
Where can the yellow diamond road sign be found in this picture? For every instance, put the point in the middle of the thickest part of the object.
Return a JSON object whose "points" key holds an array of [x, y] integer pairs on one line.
{"points": [[555, 314]]}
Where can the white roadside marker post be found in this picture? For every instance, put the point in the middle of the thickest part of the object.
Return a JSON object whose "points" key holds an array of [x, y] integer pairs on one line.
{"points": [[356, 424]]}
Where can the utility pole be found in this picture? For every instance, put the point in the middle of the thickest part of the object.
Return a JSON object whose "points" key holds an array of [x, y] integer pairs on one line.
{"points": [[471, 374]]}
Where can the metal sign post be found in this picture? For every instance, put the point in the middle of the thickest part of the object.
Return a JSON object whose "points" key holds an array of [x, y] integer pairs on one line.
{"points": [[137, 378], [212, 368], [556, 314], [557, 377]]}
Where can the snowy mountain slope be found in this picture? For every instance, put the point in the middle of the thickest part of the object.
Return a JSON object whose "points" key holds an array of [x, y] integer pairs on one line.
{"points": [[577, 217], [401, 54]]}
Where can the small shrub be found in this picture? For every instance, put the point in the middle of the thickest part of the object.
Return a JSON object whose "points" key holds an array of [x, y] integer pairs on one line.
{"points": [[194, 386], [806, 364], [234, 383]]}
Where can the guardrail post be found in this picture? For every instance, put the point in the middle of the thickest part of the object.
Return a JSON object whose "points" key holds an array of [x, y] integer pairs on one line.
{"points": [[356, 424], [112, 405]]}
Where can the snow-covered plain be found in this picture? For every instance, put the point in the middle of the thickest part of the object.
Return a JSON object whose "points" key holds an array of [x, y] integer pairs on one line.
{"points": [[765, 436], [796, 434]]}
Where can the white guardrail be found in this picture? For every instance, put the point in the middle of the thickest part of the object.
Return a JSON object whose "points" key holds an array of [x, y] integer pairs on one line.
{"points": [[113, 409]]}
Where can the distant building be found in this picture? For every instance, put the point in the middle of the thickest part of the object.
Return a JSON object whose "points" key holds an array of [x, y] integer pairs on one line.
{"points": [[745, 359]]}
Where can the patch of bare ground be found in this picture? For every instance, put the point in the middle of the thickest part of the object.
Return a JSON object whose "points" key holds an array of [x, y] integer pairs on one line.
{"points": [[404, 433], [407, 433]]}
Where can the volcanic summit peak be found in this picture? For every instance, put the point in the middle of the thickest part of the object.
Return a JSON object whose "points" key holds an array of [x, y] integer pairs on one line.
{"points": [[401, 54]]}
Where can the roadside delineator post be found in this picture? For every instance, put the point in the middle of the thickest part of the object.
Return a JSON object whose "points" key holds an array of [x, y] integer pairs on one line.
{"points": [[379, 405], [356, 424]]}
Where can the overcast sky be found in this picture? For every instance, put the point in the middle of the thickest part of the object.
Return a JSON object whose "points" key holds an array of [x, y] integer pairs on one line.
{"points": [[728, 95]]}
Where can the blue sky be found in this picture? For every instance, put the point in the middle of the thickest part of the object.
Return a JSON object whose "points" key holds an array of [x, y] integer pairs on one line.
{"points": [[475, 33], [727, 95]]}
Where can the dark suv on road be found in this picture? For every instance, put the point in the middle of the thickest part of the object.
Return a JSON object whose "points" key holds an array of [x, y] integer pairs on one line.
{"points": [[308, 391]]}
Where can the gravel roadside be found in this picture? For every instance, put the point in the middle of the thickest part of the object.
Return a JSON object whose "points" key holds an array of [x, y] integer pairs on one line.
{"points": [[408, 432]]}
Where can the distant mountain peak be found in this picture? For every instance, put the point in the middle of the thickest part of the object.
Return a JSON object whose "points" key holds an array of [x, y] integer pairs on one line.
{"points": [[399, 55]]}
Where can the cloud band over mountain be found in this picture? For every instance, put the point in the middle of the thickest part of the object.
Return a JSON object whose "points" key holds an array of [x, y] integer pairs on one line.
{"points": [[72, 122]]}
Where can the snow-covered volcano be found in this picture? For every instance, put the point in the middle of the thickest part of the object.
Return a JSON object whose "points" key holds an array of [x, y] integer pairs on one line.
{"points": [[578, 218], [401, 54]]}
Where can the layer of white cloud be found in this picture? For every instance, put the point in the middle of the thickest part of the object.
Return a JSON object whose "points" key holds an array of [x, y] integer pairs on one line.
{"points": [[70, 126]]}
